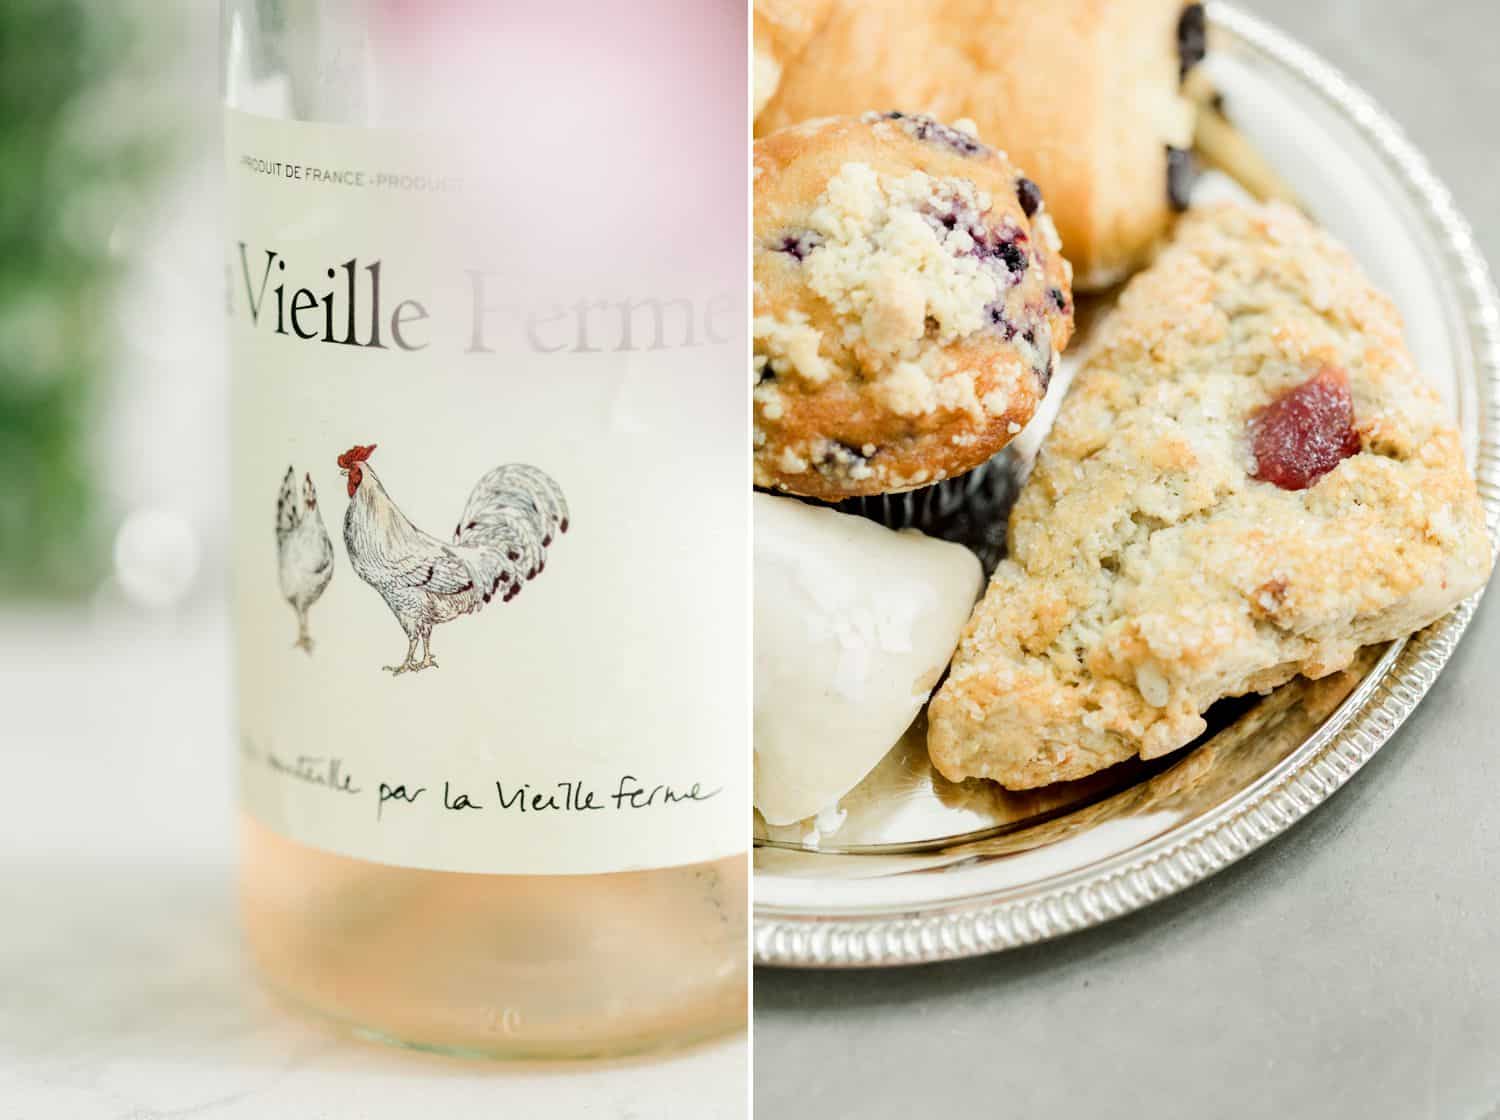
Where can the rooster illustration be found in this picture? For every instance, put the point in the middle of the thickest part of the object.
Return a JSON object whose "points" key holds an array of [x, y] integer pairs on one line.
{"points": [[500, 542], [304, 552]]}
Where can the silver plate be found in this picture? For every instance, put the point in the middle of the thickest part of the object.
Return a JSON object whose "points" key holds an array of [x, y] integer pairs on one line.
{"points": [[926, 870]]}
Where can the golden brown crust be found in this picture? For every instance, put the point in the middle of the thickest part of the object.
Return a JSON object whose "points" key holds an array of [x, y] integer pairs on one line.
{"points": [[1082, 93], [908, 312], [783, 29], [1151, 575]]}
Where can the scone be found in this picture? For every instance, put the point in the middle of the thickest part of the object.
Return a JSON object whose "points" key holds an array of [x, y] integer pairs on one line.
{"points": [[1085, 94], [782, 29], [1248, 480], [911, 299]]}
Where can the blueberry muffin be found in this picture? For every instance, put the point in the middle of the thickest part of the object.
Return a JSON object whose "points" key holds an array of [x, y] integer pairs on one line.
{"points": [[1085, 94], [1249, 479], [911, 299]]}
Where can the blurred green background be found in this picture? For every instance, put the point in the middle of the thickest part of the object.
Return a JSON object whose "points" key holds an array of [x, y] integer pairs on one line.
{"points": [[85, 138]]}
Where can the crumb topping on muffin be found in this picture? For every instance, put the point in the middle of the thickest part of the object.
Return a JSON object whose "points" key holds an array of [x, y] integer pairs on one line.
{"points": [[911, 299]]}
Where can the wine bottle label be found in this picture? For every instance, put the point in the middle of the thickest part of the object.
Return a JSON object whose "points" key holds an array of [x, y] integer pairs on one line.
{"points": [[490, 501]]}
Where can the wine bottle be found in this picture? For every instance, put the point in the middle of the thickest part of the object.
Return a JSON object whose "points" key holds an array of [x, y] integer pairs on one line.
{"points": [[487, 275]]}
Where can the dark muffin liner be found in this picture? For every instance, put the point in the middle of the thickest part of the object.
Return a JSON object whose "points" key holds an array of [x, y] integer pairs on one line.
{"points": [[972, 509]]}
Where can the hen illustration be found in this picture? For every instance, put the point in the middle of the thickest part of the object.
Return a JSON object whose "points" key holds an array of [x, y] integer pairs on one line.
{"points": [[500, 542], [304, 553]]}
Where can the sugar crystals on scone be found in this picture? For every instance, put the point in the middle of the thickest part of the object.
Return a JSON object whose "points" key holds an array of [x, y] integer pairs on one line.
{"points": [[1249, 480], [911, 299]]}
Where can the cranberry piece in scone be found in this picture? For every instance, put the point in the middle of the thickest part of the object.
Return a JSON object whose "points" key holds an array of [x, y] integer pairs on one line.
{"points": [[1306, 432]]}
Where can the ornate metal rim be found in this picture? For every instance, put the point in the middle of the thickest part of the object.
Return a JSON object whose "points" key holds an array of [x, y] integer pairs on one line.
{"points": [[1191, 853]]}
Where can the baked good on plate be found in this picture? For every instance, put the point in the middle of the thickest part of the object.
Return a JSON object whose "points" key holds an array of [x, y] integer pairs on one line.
{"points": [[1085, 94], [782, 29], [854, 624], [910, 303], [1248, 480]]}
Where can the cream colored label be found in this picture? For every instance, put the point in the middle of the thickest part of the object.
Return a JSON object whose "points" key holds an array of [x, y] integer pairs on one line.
{"points": [[491, 512]]}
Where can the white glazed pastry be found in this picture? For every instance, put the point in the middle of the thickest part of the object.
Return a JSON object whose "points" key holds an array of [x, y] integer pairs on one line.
{"points": [[854, 625]]}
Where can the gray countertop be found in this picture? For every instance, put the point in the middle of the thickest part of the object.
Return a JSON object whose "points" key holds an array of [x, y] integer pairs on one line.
{"points": [[1350, 968]]}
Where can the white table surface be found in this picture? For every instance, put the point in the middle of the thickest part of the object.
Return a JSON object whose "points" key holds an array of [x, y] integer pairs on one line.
{"points": [[124, 991]]}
